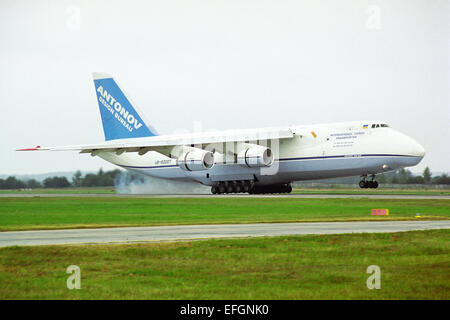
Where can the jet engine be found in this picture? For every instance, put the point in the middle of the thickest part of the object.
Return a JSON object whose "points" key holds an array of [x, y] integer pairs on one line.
{"points": [[255, 156], [196, 160]]}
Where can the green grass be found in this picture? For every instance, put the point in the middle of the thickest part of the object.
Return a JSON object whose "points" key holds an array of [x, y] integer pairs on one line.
{"points": [[414, 265], [72, 212], [411, 192], [319, 190]]}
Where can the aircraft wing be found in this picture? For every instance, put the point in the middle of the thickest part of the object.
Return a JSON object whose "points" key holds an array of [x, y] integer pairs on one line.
{"points": [[166, 143]]}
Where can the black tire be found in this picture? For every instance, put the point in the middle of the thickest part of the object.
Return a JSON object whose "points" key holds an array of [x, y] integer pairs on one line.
{"points": [[221, 189], [362, 184], [375, 184], [214, 189], [230, 188]]}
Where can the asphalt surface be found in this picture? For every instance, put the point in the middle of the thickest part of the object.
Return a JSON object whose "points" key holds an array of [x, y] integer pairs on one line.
{"points": [[196, 232], [308, 196]]}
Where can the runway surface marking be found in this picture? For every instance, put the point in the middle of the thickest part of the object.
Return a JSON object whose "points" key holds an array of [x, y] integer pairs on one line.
{"points": [[195, 232], [210, 196]]}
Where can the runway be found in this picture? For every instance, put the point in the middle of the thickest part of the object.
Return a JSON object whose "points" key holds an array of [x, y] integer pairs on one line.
{"points": [[292, 196], [197, 232]]}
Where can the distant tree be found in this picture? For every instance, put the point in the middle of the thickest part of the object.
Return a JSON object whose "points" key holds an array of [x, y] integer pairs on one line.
{"points": [[12, 183], [101, 179], [56, 182], [405, 174], [442, 179], [33, 184], [90, 180], [427, 175], [416, 180], [77, 179], [109, 177]]}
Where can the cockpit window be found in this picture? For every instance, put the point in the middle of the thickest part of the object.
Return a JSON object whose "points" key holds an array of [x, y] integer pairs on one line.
{"points": [[383, 125]]}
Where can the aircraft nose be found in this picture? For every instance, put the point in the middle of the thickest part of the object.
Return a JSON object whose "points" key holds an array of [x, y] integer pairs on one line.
{"points": [[414, 150], [417, 149], [408, 146], [410, 152]]}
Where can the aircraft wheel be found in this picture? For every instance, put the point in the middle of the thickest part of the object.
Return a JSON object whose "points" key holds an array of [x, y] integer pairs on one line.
{"points": [[375, 184], [214, 190], [238, 188], [230, 188], [289, 189], [363, 184], [221, 188]]}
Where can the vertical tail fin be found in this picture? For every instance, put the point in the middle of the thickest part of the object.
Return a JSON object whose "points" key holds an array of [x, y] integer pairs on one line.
{"points": [[121, 120]]}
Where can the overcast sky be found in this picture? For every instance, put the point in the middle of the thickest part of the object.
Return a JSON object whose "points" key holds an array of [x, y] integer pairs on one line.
{"points": [[220, 65]]}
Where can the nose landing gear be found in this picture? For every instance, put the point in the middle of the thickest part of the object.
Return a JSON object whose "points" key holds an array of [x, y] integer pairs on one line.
{"points": [[364, 184]]}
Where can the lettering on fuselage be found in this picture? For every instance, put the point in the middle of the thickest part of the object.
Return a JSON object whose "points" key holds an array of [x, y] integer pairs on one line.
{"points": [[345, 139], [163, 162], [119, 112]]}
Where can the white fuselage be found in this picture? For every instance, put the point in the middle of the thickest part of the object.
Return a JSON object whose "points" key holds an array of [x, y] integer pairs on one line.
{"points": [[314, 152]]}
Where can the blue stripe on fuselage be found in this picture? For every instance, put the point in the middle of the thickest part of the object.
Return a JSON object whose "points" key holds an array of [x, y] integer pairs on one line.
{"points": [[288, 159]]}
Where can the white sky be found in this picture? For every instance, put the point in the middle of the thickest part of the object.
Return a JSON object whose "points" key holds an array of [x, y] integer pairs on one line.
{"points": [[223, 64]]}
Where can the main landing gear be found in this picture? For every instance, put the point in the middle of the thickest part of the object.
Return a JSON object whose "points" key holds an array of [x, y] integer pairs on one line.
{"points": [[364, 184], [248, 186], [232, 187]]}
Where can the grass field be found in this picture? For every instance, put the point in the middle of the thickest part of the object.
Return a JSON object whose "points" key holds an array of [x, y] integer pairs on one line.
{"points": [[356, 190], [74, 212], [317, 190], [414, 265], [416, 192]]}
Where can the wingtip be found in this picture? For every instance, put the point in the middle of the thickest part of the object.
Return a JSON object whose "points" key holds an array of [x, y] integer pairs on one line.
{"points": [[30, 149]]}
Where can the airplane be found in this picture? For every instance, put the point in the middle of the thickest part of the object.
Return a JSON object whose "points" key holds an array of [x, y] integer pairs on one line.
{"points": [[253, 161]]}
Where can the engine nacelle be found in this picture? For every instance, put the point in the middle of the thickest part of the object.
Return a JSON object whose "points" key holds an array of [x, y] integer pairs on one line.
{"points": [[196, 160], [257, 156]]}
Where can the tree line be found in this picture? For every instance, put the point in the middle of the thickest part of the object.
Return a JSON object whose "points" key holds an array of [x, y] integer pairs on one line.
{"points": [[106, 179], [404, 176], [401, 176], [99, 179]]}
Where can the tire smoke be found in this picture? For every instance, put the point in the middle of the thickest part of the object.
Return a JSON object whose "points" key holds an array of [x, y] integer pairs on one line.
{"points": [[133, 183]]}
